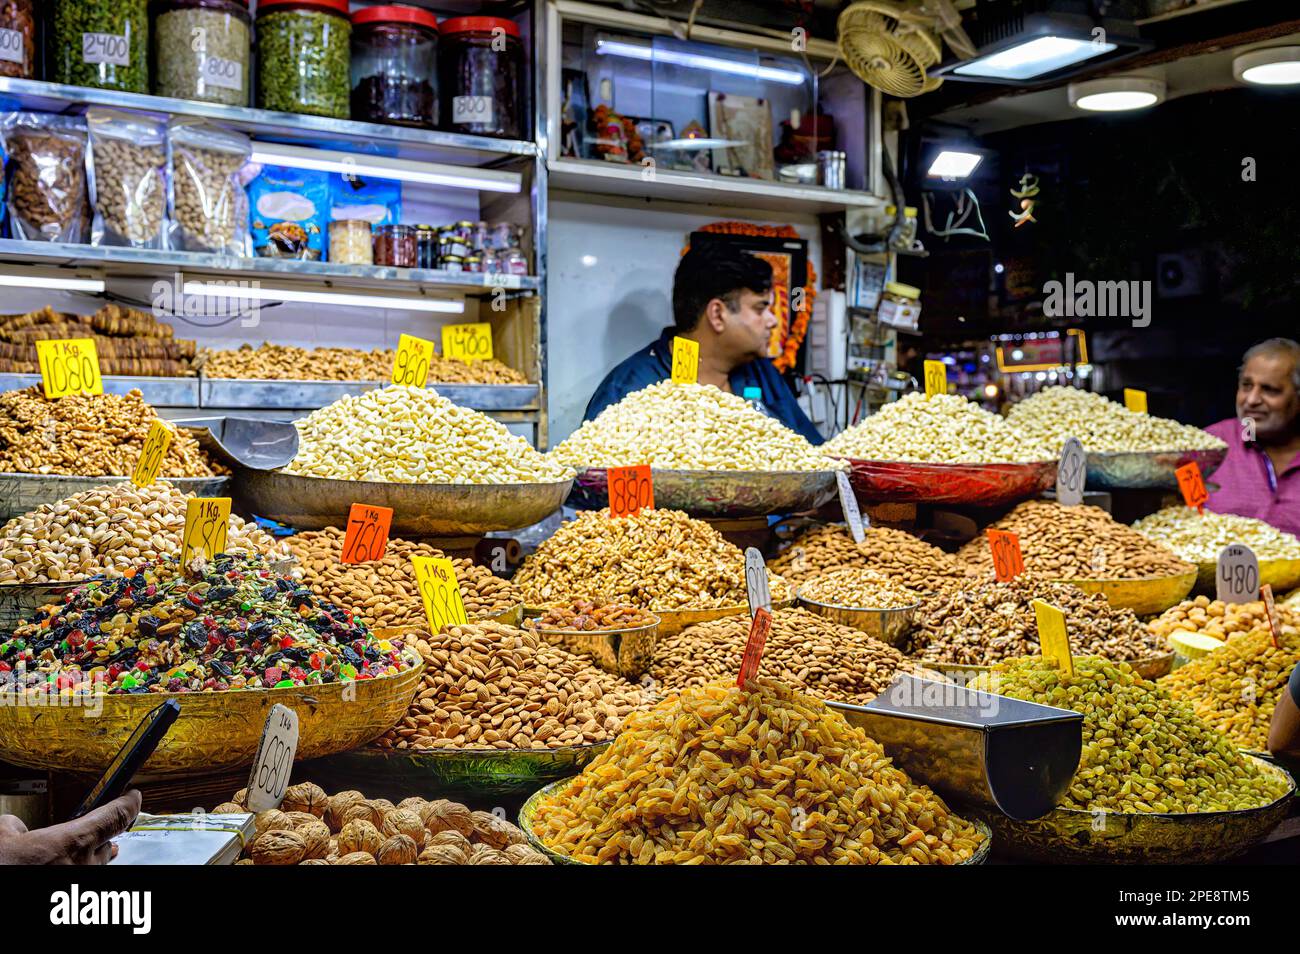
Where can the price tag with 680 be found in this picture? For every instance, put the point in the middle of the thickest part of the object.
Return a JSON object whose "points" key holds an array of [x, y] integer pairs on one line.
{"points": [[440, 591], [1071, 473], [686, 361], [367, 534], [206, 521], [274, 763]]}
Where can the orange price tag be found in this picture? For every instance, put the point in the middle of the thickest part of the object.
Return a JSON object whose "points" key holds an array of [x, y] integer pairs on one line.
{"points": [[1192, 485], [1270, 608], [758, 630], [1008, 562], [630, 489], [367, 534]]}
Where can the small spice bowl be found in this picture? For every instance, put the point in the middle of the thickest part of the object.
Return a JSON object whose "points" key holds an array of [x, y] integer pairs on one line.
{"points": [[623, 652], [890, 625]]}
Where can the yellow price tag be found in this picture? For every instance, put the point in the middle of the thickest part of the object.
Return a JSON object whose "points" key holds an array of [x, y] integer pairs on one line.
{"points": [[467, 342], [440, 590], [206, 521], [153, 454], [686, 361], [411, 366], [69, 366], [1135, 400], [936, 378], [1052, 637]]}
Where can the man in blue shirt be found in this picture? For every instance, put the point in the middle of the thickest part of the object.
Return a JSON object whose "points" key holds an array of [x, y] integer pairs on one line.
{"points": [[722, 299]]}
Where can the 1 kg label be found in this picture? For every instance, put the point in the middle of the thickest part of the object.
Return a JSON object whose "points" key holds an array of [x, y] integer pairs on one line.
{"points": [[440, 591], [366, 539], [206, 521], [273, 765], [153, 454]]}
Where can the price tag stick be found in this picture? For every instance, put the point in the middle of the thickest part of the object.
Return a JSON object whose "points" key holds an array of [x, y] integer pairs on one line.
{"points": [[1052, 636], [440, 591], [936, 378], [274, 761], [366, 538], [758, 630], [1008, 561], [1270, 610], [686, 360], [1192, 484], [207, 519], [152, 455], [411, 364], [849, 504], [630, 489]]}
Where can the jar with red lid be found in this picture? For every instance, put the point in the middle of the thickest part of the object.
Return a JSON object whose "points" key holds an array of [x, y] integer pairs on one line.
{"points": [[481, 65], [394, 66], [304, 49]]}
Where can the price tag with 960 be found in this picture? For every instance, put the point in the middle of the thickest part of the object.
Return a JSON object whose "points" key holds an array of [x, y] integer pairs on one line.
{"points": [[207, 519], [152, 455], [630, 489], [1008, 562], [411, 364], [1071, 473], [849, 504], [440, 591], [274, 762], [686, 361], [471, 342], [366, 538], [1236, 577], [69, 366]]}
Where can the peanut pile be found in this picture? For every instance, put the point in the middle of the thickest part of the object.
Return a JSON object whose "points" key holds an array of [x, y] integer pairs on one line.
{"points": [[759, 775], [1055, 413], [88, 435], [313, 828], [1075, 543], [384, 592], [803, 651], [488, 686], [277, 362], [858, 587], [986, 623], [108, 530], [894, 554], [1200, 536], [1219, 620], [657, 560]]}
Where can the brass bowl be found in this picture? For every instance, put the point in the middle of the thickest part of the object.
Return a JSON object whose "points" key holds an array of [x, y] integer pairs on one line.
{"points": [[528, 815], [216, 731], [673, 621], [1282, 575], [890, 626], [717, 493], [1144, 597], [623, 652], [1070, 835]]}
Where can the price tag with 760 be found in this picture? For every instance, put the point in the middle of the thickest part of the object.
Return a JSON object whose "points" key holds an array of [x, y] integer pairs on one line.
{"points": [[152, 455], [366, 538], [411, 365], [471, 342], [440, 591], [206, 521], [69, 366], [630, 490]]}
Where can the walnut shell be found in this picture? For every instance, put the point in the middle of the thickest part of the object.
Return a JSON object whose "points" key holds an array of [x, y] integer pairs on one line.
{"points": [[313, 861], [484, 855], [398, 850], [244, 861], [361, 811], [414, 804], [272, 820], [442, 855], [526, 855], [442, 815], [336, 805], [316, 835], [305, 797], [359, 835], [400, 821], [383, 804], [278, 847], [301, 819], [450, 839], [228, 808], [494, 831], [240, 797], [357, 858]]}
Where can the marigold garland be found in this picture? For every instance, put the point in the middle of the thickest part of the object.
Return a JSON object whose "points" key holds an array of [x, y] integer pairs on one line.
{"points": [[798, 328]]}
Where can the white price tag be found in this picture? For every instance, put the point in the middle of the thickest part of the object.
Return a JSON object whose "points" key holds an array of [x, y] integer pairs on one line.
{"points": [[849, 504], [274, 763], [11, 46], [105, 48], [222, 73], [1071, 473], [1236, 578], [472, 109], [756, 582]]}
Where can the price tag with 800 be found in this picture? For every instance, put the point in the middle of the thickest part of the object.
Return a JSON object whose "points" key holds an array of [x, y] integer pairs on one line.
{"points": [[206, 521], [440, 590], [69, 366], [1008, 561], [153, 454], [366, 538], [274, 763], [630, 490], [411, 365], [472, 342]]}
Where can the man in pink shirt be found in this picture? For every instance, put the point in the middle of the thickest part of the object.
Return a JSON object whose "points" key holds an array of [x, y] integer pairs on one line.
{"points": [[1261, 475]]}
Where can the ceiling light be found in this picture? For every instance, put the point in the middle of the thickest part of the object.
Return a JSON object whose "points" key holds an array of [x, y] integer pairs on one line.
{"points": [[1117, 93], [242, 293], [92, 285], [1036, 57], [403, 170], [699, 61], [1275, 66], [954, 164]]}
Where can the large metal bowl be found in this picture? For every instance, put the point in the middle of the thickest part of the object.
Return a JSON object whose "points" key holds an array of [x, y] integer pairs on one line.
{"points": [[888, 625], [1144, 597], [1148, 667], [216, 731], [1282, 575], [1153, 469], [23, 493], [673, 621], [623, 652], [528, 816], [988, 485], [718, 493], [423, 510], [1068, 835]]}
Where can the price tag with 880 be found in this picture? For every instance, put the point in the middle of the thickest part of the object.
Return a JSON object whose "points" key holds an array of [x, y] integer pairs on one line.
{"points": [[1008, 562], [152, 455], [467, 343], [69, 366], [206, 521], [274, 762], [440, 590], [630, 489], [686, 361], [366, 538], [411, 365]]}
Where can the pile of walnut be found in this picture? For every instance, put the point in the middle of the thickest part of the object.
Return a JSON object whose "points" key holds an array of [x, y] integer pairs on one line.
{"points": [[312, 828]]}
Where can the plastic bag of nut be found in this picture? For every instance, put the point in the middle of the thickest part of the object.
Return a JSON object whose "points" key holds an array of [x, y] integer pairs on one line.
{"points": [[208, 208], [127, 173], [47, 185]]}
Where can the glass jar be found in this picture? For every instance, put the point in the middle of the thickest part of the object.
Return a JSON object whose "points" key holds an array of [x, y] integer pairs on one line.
{"points": [[480, 67], [426, 244], [18, 39], [396, 245], [452, 263], [513, 261], [351, 243], [304, 50], [215, 72], [474, 263], [394, 66], [504, 235], [103, 43], [900, 306], [479, 236]]}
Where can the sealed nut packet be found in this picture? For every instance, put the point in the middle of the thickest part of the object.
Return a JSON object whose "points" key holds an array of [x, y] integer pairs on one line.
{"points": [[47, 178], [208, 208], [126, 168]]}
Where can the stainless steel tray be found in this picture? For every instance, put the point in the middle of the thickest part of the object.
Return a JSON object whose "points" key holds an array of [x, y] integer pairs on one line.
{"points": [[309, 395], [160, 392], [888, 625], [244, 441], [1110, 471], [718, 493], [23, 493]]}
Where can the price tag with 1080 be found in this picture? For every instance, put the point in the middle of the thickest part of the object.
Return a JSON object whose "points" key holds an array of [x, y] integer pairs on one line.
{"points": [[152, 454], [440, 591], [1008, 561], [411, 364], [207, 519], [366, 538], [630, 490], [274, 762], [1236, 576], [69, 366], [469, 342]]}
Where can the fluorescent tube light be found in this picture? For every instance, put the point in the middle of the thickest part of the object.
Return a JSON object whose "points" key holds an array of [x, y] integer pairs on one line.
{"points": [[93, 285], [243, 293], [954, 164], [1276, 66], [700, 61], [1036, 57], [404, 170], [1115, 94]]}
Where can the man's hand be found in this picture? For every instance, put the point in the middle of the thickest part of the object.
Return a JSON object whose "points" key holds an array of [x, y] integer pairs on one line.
{"points": [[83, 841]]}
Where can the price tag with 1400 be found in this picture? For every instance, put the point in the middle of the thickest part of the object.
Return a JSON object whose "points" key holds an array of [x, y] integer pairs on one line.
{"points": [[470, 342], [366, 538], [630, 490], [274, 762], [440, 591], [411, 364], [152, 455], [207, 519], [69, 366], [1236, 577]]}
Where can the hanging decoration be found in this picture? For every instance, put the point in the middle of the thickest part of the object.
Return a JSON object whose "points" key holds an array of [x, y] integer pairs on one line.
{"points": [[1028, 196]]}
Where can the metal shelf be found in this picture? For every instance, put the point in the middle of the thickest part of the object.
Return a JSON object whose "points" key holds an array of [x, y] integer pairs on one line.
{"points": [[160, 392], [618, 179]]}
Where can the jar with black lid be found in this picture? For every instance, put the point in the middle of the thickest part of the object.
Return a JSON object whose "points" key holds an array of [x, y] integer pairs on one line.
{"points": [[481, 64], [394, 66]]}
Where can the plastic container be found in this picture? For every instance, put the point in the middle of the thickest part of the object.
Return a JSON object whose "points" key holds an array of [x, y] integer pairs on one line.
{"points": [[202, 50], [396, 245], [18, 39], [102, 43], [351, 242], [900, 306], [304, 51], [395, 66], [480, 66]]}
